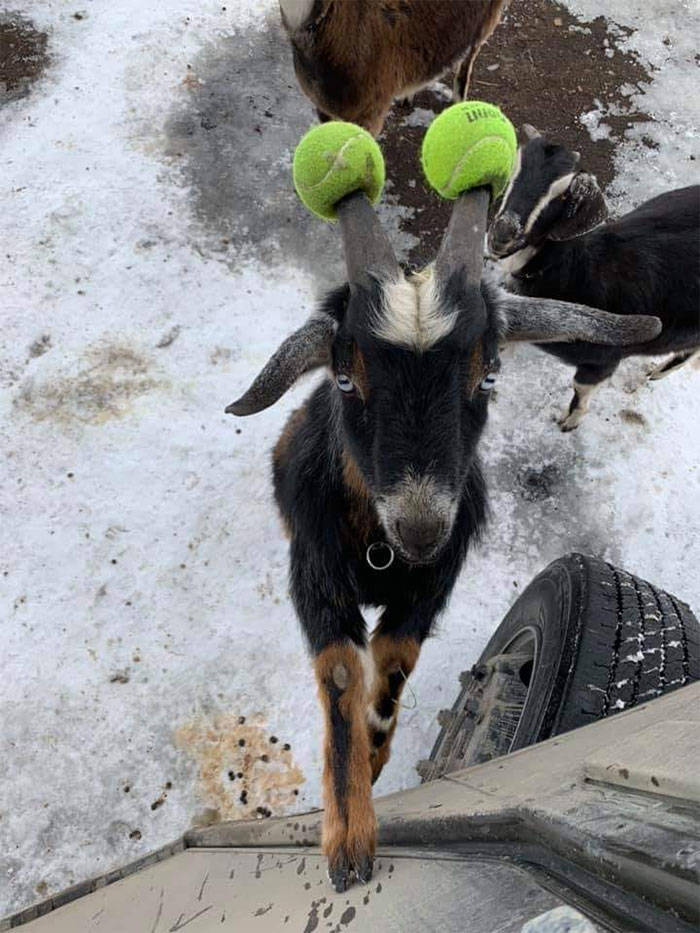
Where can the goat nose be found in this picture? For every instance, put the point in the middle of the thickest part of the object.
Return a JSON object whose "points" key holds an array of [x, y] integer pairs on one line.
{"points": [[420, 539], [504, 230]]}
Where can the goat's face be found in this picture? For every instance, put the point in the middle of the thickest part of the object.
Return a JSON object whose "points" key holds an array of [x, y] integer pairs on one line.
{"points": [[412, 362], [412, 368], [547, 198]]}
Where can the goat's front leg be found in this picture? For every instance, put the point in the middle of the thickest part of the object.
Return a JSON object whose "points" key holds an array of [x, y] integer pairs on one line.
{"points": [[586, 380], [395, 646], [349, 826], [394, 656]]}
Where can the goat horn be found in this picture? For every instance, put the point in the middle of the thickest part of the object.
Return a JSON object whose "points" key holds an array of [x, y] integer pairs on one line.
{"points": [[463, 242], [546, 320], [368, 252], [305, 349]]}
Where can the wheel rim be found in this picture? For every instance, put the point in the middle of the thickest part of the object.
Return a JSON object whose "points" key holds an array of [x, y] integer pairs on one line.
{"points": [[485, 721]]}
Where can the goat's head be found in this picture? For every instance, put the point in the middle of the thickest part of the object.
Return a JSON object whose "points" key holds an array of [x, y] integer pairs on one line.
{"points": [[548, 197], [412, 360]]}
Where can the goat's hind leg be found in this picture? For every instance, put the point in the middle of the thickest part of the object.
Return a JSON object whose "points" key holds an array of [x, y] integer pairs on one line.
{"points": [[349, 826], [463, 74], [463, 71], [586, 380], [671, 365]]}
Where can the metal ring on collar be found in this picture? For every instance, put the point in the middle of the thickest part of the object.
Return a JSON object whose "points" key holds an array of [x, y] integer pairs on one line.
{"points": [[380, 555]]}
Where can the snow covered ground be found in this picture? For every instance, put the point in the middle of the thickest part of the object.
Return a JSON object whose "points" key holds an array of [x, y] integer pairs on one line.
{"points": [[153, 255]]}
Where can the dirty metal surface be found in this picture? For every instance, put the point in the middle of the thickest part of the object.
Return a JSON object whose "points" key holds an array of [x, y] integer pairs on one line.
{"points": [[641, 761], [627, 859], [206, 890]]}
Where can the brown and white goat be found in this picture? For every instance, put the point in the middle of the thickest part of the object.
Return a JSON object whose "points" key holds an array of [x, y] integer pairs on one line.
{"points": [[378, 478], [353, 57]]}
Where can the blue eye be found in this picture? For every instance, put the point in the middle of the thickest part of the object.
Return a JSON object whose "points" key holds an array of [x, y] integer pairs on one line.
{"points": [[344, 383], [487, 383]]}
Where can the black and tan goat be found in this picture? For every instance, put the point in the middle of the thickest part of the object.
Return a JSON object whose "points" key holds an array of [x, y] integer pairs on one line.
{"points": [[551, 233], [378, 478], [353, 57]]}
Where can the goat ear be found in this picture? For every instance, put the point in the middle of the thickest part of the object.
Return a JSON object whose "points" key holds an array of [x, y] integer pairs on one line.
{"points": [[306, 349], [546, 320], [529, 131], [584, 208]]}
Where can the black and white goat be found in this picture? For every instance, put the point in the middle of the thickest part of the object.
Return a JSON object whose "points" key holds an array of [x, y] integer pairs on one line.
{"points": [[551, 234], [378, 479]]}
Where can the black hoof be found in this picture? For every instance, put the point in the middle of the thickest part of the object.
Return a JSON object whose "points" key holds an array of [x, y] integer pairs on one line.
{"points": [[339, 874], [363, 870]]}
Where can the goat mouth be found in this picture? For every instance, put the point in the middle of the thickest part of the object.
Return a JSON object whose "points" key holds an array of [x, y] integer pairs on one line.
{"points": [[420, 562], [503, 252], [412, 560]]}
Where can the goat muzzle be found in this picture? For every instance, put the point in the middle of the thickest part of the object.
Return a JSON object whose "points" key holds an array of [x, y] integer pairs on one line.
{"points": [[505, 235]]}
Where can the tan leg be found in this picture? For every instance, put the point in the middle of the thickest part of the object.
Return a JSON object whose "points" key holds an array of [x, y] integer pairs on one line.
{"points": [[571, 418], [349, 825], [394, 659], [463, 73], [670, 366], [463, 76], [587, 379]]}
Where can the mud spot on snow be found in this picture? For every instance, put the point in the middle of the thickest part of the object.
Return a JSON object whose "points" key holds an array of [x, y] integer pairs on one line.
{"points": [[629, 416], [547, 509], [233, 142], [537, 484], [243, 774], [23, 56], [40, 346], [111, 377]]}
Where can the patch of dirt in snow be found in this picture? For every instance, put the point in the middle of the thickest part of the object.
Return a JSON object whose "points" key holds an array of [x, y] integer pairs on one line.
{"points": [[244, 771], [232, 138], [23, 56], [113, 375], [541, 66]]}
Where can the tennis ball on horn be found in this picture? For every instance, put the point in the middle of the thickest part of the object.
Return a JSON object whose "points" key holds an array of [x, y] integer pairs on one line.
{"points": [[469, 145], [331, 161]]}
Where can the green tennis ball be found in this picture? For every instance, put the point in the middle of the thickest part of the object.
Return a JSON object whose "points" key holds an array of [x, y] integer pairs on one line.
{"points": [[469, 145], [333, 160]]}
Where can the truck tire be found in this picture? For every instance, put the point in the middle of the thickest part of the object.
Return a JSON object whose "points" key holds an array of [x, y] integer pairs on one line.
{"points": [[585, 640]]}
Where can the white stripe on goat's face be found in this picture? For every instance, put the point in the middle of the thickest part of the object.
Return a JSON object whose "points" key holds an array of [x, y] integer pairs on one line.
{"points": [[410, 315], [517, 168], [534, 199], [555, 190]]}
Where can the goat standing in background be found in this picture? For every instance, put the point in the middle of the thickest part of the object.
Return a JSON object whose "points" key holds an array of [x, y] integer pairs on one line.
{"points": [[378, 479], [353, 57], [550, 234]]}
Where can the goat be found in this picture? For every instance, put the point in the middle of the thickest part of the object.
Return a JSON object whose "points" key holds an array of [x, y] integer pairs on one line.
{"points": [[552, 238], [378, 479], [352, 57]]}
